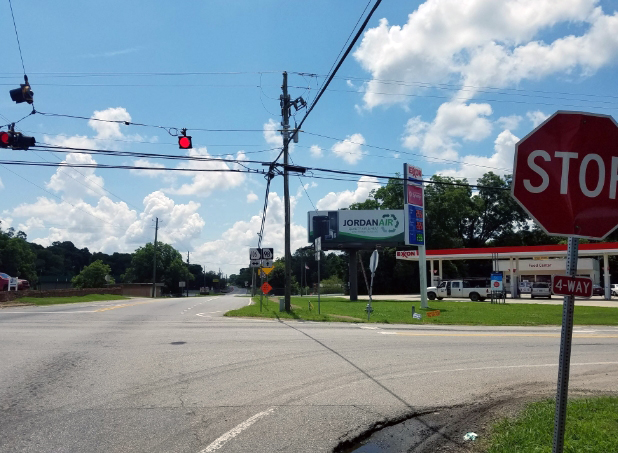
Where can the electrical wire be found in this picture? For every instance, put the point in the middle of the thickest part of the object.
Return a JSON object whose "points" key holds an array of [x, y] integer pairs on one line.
{"points": [[330, 78], [17, 36]]}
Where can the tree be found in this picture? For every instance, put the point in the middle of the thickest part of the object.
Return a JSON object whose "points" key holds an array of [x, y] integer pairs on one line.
{"points": [[16, 256], [170, 267], [93, 276]]}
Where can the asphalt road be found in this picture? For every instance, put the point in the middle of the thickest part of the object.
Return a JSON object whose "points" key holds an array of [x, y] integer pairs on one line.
{"points": [[173, 375]]}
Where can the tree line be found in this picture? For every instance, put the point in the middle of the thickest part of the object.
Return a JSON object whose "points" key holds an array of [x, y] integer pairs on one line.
{"points": [[64, 262]]}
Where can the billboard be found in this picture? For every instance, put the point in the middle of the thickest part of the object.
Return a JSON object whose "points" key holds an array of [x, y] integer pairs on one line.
{"points": [[356, 229]]}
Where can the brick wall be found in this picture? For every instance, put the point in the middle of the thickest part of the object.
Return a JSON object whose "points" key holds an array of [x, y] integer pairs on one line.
{"points": [[6, 296]]}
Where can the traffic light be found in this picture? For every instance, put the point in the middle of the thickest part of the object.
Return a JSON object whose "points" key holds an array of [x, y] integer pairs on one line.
{"points": [[16, 140], [5, 139], [23, 93], [184, 140]]}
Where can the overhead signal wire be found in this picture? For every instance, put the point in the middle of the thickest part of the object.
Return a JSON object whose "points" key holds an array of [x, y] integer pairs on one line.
{"points": [[271, 173], [17, 36]]}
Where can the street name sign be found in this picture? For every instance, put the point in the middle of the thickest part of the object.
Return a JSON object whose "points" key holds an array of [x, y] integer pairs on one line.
{"points": [[572, 286], [565, 174]]}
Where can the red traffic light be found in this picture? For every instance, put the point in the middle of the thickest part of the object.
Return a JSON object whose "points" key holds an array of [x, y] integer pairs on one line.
{"points": [[5, 139], [184, 142]]}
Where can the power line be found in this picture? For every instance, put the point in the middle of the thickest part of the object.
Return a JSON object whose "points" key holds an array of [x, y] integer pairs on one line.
{"points": [[436, 159], [17, 36], [330, 78]]}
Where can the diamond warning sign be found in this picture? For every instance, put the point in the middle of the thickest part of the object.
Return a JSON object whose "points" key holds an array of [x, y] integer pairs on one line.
{"points": [[266, 288]]}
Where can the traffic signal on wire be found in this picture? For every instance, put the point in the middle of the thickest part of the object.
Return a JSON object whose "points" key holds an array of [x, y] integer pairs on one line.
{"points": [[23, 93], [16, 140], [184, 140]]}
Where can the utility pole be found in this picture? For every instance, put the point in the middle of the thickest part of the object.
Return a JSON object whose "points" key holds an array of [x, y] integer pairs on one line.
{"points": [[285, 112], [154, 263]]}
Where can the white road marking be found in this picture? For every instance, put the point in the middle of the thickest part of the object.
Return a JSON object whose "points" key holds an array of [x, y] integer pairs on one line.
{"points": [[54, 312], [388, 333], [368, 327], [203, 315], [219, 442]]}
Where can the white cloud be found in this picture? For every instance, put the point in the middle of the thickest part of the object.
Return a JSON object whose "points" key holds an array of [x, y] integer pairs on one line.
{"points": [[316, 151], [350, 149], [509, 122], [483, 43], [500, 162], [1, 185], [536, 117], [75, 182], [148, 173], [251, 197], [109, 226], [231, 250], [106, 130], [454, 120], [337, 200], [206, 182], [273, 136]]}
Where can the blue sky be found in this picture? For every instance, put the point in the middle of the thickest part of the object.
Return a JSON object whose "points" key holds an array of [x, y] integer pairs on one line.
{"points": [[446, 85]]}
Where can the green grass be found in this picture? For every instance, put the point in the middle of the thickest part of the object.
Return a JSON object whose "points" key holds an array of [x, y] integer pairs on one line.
{"points": [[460, 313], [70, 300], [591, 427]]}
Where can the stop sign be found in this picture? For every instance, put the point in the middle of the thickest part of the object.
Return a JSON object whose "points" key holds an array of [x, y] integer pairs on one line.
{"points": [[566, 174]]}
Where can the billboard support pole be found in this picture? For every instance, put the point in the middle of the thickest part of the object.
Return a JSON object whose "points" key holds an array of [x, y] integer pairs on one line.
{"points": [[353, 275], [422, 269], [566, 338]]}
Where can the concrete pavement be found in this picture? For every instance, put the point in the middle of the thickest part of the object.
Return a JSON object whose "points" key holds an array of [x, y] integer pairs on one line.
{"points": [[175, 375]]}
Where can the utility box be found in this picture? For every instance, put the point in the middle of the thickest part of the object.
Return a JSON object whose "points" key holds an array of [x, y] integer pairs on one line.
{"points": [[281, 304]]}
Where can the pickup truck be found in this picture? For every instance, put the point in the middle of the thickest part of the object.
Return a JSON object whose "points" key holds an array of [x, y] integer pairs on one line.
{"points": [[475, 289]]}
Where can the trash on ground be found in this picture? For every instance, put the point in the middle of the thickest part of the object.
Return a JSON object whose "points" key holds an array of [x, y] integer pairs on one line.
{"points": [[471, 436]]}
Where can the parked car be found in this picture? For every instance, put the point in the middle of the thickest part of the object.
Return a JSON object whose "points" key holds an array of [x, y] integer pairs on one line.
{"points": [[540, 289], [598, 290], [4, 281], [22, 284], [614, 289]]}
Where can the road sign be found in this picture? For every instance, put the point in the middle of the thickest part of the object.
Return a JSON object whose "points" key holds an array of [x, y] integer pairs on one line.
{"points": [[566, 174], [267, 263], [266, 288], [373, 261], [267, 270], [318, 244], [572, 286], [267, 254], [181, 284], [255, 253], [256, 263], [317, 256]]}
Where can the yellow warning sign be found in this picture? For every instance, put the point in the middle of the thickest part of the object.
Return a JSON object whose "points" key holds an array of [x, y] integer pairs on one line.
{"points": [[267, 270]]}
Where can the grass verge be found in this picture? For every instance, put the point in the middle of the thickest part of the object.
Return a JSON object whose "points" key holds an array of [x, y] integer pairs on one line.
{"points": [[71, 299], [591, 427], [397, 312]]}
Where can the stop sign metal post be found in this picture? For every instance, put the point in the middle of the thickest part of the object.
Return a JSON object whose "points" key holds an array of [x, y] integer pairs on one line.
{"points": [[565, 176]]}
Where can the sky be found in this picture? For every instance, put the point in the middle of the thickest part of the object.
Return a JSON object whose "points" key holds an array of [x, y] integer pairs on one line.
{"points": [[447, 85]]}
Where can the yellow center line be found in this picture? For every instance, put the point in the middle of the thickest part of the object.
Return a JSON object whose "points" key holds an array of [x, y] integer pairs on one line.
{"points": [[551, 335], [124, 305]]}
